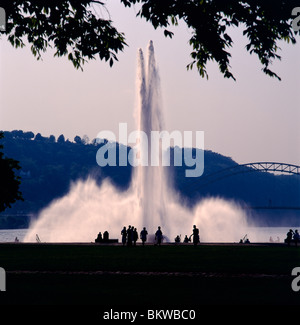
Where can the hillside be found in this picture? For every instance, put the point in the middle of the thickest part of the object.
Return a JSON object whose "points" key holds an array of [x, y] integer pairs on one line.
{"points": [[48, 166]]}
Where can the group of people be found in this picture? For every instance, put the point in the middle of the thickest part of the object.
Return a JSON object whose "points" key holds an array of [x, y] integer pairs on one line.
{"points": [[195, 235], [292, 237], [102, 239], [130, 236]]}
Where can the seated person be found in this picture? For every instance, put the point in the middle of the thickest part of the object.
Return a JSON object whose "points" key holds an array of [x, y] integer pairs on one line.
{"points": [[99, 238], [177, 239], [186, 239], [105, 236]]}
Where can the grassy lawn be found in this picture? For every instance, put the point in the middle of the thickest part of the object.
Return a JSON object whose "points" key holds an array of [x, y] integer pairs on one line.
{"points": [[207, 274]]}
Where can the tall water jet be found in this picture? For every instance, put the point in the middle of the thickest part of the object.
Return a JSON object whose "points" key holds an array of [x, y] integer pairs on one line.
{"points": [[151, 180], [149, 202]]}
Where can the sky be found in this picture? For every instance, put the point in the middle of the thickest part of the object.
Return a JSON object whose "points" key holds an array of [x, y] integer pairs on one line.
{"points": [[255, 118]]}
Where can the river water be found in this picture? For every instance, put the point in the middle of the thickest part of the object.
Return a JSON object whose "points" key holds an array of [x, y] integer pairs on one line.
{"points": [[255, 234]]}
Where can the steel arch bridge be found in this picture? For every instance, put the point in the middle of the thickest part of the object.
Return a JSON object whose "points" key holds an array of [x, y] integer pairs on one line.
{"points": [[274, 167], [247, 168], [257, 167], [252, 167]]}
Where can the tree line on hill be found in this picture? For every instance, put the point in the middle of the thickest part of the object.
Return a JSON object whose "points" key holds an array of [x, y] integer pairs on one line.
{"points": [[48, 166]]}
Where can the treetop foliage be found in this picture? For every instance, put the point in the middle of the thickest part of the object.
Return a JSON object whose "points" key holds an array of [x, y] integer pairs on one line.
{"points": [[74, 29], [70, 26], [264, 23]]}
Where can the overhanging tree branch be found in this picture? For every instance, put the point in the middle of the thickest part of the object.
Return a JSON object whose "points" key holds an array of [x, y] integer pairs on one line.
{"points": [[264, 23], [69, 26], [73, 30]]}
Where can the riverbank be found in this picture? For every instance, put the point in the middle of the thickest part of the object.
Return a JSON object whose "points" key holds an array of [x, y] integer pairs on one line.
{"points": [[254, 234]]}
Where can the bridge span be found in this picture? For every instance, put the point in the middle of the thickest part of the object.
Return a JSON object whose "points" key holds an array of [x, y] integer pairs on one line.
{"points": [[248, 168]]}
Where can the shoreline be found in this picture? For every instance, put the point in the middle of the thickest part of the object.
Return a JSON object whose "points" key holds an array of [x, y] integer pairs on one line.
{"points": [[147, 244]]}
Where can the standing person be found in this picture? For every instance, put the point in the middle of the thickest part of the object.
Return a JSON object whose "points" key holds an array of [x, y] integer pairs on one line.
{"points": [[289, 237], [129, 236], [135, 236], [124, 234], [143, 235], [158, 236], [196, 237], [296, 237]]}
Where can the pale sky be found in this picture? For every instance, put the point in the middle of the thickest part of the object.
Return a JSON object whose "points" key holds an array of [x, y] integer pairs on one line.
{"points": [[253, 119]]}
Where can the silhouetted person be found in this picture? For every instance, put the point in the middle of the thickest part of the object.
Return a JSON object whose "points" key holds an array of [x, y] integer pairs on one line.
{"points": [[135, 236], [289, 237], [129, 236], [99, 238], [105, 236], [143, 235], [158, 236], [196, 237], [124, 234], [296, 237], [186, 239], [177, 239]]}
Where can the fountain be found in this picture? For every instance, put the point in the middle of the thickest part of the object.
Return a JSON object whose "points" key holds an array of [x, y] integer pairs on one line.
{"points": [[149, 202], [150, 180]]}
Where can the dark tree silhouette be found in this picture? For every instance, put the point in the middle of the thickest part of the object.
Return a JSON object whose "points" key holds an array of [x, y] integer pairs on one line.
{"points": [[39, 137], [70, 26], [74, 29], [61, 139], [264, 23], [51, 138], [9, 182], [77, 139]]}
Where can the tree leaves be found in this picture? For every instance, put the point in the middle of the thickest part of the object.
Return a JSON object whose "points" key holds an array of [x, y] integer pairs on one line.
{"points": [[265, 22], [72, 28], [69, 26]]}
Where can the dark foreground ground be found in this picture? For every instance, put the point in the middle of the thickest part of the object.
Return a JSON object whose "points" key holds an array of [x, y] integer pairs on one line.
{"points": [[169, 275], [84, 283]]}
